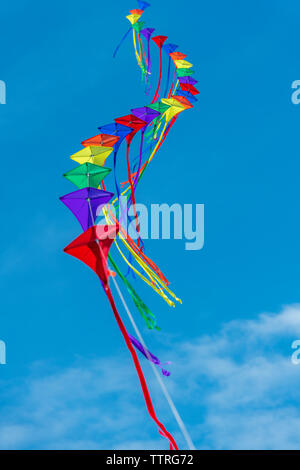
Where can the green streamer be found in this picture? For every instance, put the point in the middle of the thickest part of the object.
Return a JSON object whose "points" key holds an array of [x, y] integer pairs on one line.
{"points": [[143, 309]]}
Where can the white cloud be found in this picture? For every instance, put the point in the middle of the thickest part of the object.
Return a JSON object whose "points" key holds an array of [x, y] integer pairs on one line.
{"points": [[236, 389], [243, 380], [287, 322], [89, 405]]}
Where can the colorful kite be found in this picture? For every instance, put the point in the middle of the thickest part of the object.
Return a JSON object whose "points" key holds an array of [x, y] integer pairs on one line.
{"points": [[151, 123]]}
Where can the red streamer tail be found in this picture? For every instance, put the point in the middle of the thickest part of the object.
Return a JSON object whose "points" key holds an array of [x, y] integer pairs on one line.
{"points": [[159, 80], [162, 429]]}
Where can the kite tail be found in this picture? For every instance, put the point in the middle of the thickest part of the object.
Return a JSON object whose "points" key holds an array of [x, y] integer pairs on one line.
{"points": [[115, 174], [137, 55], [132, 196], [168, 77], [149, 70], [140, 161], [159, 79], [121, 42], [138, 368], [143, 49], [144, 61], [173, 120], [142, 308], [136, 249], [173, 83], [160, 141], [148, 355]]}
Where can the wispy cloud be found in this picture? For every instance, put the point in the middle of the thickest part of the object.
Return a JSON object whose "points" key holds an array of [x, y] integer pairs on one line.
{"points": [[243, 380], [88, 405], [237, 389]]}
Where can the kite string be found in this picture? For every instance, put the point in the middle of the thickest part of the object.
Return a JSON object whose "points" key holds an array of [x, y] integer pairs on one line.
{"points": [[159, 379]]}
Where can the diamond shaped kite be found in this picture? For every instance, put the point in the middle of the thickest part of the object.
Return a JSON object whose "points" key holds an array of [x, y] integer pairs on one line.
{"points": [[189, 80], [133, 122], [177, 55], [184, 72], [87, 175], [191, 98], [182, 64], [145, 113], [95, 155], [190, 88], [103, 140], [92, 248], [118, 130], [86, 204]]}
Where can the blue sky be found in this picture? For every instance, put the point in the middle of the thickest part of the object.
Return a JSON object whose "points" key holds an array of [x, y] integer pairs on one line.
{"points": [[69, 381]]}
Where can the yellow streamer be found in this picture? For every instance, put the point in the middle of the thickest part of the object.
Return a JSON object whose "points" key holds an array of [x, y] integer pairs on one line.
{"points": [[135, 48], [154, 278]]}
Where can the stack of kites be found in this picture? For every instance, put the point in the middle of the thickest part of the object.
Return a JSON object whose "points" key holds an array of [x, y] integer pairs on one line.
{"points": [[174, 93]]}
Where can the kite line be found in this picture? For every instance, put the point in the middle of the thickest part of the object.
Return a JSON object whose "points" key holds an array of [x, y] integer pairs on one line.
{"points": [[158, 377], [152, 123]]}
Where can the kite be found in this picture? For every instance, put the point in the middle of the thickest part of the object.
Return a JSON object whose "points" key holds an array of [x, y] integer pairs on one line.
{"points": [[105, 245]]}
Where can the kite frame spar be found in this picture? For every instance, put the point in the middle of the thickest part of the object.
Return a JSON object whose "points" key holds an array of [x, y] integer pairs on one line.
{"points": [[95, 152]]}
